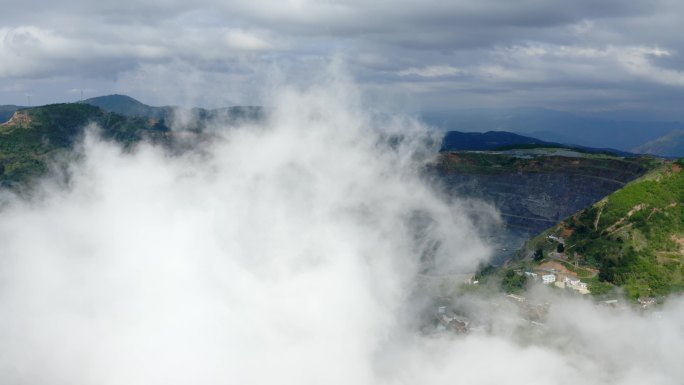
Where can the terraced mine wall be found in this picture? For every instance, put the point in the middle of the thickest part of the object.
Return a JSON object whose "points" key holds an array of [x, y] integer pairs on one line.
{"points": [[534, 190]]}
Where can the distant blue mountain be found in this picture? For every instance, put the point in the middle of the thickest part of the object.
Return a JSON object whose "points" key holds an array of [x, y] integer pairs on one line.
{"points": [[669, 145], [555, 126], [502, 140], [488, 141], [127, 106]]}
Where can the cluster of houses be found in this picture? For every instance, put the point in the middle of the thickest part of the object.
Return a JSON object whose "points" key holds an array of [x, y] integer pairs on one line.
{"points": [[561, 281]]}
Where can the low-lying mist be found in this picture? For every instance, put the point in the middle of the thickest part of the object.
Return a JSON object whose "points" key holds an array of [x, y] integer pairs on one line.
{"points": [[282, 252]]}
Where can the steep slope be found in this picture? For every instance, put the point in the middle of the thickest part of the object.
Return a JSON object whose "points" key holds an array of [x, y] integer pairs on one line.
{"points": [[634, 237], [535, 188], [7, 111]]}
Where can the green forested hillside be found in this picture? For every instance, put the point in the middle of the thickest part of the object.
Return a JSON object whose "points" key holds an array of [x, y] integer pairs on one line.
{"points": [[34, 135], [634, 237]]}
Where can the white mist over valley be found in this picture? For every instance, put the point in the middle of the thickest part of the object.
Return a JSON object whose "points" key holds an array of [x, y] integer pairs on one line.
{"points": [[314, 192], [289, 251]]}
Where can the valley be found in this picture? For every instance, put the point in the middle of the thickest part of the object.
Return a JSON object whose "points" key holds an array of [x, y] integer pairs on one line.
{"points": [[616, 215]]}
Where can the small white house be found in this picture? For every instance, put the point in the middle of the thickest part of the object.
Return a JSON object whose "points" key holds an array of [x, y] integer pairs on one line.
{"points": [[557, 239], [572, 281], [548, 278]]}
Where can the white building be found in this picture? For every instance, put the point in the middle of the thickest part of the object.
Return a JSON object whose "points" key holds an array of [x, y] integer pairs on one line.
{"points": [[548, 278], [575, 284], [557, 239]]}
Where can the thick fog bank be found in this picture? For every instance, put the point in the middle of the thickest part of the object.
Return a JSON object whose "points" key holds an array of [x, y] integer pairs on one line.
{"points": [[282, 253]]}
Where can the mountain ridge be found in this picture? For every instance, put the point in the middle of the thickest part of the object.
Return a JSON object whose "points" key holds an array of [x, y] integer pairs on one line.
{"points": [[553, 125], [128, 106], [505, 140], [668, 145]]}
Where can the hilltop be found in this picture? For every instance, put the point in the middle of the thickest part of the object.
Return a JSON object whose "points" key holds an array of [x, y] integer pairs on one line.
{"points": [[128, 106]]}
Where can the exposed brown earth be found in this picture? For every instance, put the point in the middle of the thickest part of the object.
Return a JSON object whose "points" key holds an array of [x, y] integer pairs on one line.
{"points": [[19, 119]]}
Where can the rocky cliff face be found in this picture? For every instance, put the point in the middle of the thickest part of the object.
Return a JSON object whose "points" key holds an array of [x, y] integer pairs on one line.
{"points": [[534, 189]]}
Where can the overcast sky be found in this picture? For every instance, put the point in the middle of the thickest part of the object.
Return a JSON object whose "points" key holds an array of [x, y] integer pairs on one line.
{"points": [[432, 55]]}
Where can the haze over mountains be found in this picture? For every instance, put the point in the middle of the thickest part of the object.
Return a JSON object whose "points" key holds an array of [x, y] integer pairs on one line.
{"points": [[548, 126], [125, 105], [670, 144], [253, 227], [535, 125], [560, 127], [531, 182], [501, 140], [341, 192]]}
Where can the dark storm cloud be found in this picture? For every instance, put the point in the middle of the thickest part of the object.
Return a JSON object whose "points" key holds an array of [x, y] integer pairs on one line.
{"points": [[436, 50]]}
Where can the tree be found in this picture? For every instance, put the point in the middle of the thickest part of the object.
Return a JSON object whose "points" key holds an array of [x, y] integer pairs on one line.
{"points": [[560, 248], [539, 255], [513, 282]]}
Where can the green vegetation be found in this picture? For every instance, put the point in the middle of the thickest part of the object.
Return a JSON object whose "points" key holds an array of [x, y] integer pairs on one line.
{"points": [[513, 282], [600, 166], [556, 146], [35, 136], [634, 237], [493, 280]]}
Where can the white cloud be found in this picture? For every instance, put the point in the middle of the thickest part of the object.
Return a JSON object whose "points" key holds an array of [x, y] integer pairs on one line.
{"points": [[283, 253], [616, 63], [394, 44], [247, 41], [431, 71]]}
